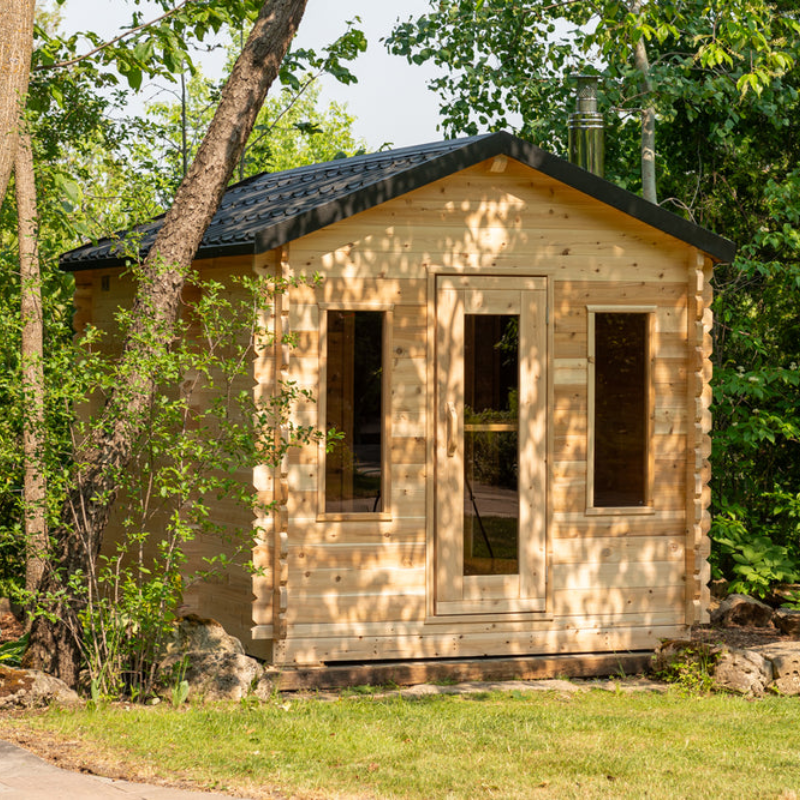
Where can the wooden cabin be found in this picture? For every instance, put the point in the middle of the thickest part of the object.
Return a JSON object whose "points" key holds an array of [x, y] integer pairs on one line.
{"points": [[516, 352]]}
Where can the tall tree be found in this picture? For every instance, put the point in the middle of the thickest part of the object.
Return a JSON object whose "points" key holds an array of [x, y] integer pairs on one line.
{"points": [[32, 358], [504, 63], [16, 45], [55, 637]]}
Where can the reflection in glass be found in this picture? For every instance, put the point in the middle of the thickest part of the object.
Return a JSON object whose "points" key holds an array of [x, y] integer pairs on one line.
{"points": [[354, 403], [491, 444]]}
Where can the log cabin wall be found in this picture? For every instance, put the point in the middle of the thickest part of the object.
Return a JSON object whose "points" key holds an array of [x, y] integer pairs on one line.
{"points": [[361, 589], [227, 597]]}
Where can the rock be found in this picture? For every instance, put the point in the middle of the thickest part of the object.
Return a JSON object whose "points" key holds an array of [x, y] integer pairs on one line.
{"points": [[216, 676], [212, 662], [782, 593], [28, 688], [785, 660], [787, 621], [738, 609], [743, 671], [265, 687], [196, 635]]}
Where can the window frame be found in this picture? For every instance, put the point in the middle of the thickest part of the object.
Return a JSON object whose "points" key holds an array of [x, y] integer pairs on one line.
{"points": [[651, 330], [387, 309]]}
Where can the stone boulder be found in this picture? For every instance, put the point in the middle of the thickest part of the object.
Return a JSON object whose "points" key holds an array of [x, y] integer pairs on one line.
{"points": [[785, 661], [787, 621], [30, 688], [196, 635], [212, 662], [782, 593], [739, 609], [743, 671]]}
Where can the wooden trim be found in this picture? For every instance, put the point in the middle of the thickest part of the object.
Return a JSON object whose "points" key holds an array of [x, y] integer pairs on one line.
{"points": [[431, 423], [591, 312], [354, 516], [698, 447], [649, 365], [491, 669], [322, 409], [522, 283], [274, 530], [387, 309], [528, 590], [262, 632], [471, 605], [610, 511], [621, 309], [550, 445], [356, 305]]}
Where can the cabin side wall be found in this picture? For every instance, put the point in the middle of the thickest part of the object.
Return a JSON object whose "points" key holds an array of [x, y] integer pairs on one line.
{"points": [[361, 589], [227, 595]]}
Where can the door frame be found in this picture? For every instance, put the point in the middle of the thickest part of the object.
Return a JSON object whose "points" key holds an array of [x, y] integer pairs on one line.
{"points": [[451, 594]]}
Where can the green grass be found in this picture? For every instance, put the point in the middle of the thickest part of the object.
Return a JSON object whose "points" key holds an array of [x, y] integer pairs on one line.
{"points": [[493, 745]]}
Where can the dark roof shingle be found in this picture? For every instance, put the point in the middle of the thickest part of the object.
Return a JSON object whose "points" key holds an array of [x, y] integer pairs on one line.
{"points": [[271, 209]]}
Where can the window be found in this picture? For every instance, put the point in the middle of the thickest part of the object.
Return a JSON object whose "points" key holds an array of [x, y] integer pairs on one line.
{"points": [[353, 354], [619, 471]]}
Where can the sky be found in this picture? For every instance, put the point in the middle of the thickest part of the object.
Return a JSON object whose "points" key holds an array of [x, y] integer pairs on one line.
{"points": [[391, 102]]}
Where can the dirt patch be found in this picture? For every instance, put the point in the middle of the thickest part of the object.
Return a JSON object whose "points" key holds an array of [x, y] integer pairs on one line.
{"points": [[738, 637]]}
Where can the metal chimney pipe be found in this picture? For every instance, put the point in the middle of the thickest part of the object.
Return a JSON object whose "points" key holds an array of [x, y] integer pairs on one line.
{"points": [[585, 128]]}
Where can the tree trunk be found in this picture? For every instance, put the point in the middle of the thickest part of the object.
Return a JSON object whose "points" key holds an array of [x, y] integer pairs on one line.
{"points": [[16, 46], [32, 366], [55, 638], [648, 141]]}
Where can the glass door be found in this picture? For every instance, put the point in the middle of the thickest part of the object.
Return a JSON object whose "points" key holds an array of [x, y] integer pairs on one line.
{"points": [[491, 448]]}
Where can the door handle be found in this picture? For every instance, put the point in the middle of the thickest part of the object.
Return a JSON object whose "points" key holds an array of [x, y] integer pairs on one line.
{"points": [[452, 424]]}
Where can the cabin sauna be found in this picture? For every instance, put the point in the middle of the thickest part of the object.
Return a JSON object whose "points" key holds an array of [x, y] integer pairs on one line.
{"points": [[515, 356]]}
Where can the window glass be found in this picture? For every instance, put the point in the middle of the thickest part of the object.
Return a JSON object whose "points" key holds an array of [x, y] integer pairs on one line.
{"points": [[354, 408], [621, 413]]}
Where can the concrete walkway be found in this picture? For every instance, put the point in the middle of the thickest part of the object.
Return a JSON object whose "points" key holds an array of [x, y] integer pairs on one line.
{"points": [[24, 776]]}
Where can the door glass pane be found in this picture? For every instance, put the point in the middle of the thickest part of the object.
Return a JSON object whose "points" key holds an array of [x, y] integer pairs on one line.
{"points": [[491, 444]]}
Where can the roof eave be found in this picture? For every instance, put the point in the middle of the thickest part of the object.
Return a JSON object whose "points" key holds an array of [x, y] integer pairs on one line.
{"points": [[211, 251]]}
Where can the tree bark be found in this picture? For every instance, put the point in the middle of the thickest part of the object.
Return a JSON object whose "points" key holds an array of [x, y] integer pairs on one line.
{"points": [[16, 46], [648, 140], [32, 366], [55, 644]]}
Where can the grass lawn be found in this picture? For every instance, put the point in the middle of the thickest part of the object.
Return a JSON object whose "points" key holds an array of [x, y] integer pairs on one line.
{"points": [[495, 745]]}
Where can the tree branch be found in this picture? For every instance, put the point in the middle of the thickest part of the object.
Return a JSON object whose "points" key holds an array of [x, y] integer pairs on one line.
{"points": [[78, 59]]}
